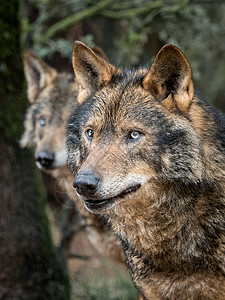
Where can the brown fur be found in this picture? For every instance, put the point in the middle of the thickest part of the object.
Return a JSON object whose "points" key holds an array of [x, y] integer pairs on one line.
{"points": [[53, 96], [149, 157]]}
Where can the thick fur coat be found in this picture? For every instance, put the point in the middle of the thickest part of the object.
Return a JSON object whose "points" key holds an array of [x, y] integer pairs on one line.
{"points": [[149, 156]]}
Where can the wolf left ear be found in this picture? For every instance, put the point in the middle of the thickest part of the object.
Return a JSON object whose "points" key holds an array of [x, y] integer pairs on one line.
{"points": [[92, 70], [98, 50], [38, 74], [169, 79]]}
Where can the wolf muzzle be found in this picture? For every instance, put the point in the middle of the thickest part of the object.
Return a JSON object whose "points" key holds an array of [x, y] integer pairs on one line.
{"points": [[86, 183], [45, 159]]}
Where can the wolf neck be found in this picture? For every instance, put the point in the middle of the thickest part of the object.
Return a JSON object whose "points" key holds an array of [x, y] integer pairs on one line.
{"points": [[172, 229]]}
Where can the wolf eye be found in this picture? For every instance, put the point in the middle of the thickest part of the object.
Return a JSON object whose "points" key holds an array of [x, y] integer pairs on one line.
{"points": [[42, 121], [133, 135], [90, 134]]}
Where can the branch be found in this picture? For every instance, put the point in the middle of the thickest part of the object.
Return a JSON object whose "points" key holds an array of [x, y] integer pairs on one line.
{"points": [[99, 9], [129, 13], [77, 18]]}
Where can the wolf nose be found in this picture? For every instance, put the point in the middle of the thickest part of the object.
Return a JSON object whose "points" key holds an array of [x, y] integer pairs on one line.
{"points": [[86, 183], [45, 158]]}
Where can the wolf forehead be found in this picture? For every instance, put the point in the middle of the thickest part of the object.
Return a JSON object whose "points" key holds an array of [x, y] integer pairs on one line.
{"points": [[122, 101], [57, 96], [60, 92]]}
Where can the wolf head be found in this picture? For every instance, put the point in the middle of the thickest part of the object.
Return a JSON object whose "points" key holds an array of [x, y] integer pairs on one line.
{"points": [[52, 97], [140, 131]]}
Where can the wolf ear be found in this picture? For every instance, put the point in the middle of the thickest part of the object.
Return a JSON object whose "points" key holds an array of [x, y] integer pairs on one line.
{"points": [[38, 74], [98, 50], [91, 70], [169, 79]]}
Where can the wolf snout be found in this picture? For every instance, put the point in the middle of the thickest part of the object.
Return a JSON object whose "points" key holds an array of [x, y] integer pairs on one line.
{"points": [[45, 158], [86, 183]]}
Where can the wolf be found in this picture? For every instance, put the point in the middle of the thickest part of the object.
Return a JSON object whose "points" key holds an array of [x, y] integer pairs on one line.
{"points": [[53, 96], [148, 155]]}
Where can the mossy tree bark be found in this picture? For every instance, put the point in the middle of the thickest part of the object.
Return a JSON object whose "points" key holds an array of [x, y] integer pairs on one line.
{"points": [[30, 268]]}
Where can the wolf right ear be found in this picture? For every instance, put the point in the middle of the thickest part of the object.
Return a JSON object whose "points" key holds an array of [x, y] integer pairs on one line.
{"points": [[38, 74], [92, 70]]}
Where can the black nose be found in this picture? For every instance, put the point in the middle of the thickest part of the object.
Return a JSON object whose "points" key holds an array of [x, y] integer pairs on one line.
{"points": [[45, 158], [86, 183]]}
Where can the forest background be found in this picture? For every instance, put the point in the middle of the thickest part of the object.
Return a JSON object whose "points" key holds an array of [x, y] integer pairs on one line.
{"points": [[130, 32]]}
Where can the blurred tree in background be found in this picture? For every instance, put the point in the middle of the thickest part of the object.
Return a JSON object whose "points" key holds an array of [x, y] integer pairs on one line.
{"points": [[30, 268], [131, 32]]}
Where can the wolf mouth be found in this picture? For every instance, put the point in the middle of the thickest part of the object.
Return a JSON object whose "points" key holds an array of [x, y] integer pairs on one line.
{"points": [[97, 205], [46, 168]]}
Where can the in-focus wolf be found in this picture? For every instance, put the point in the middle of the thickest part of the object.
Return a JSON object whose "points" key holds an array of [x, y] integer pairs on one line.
{"points": [[149, 155], [52, 96]]}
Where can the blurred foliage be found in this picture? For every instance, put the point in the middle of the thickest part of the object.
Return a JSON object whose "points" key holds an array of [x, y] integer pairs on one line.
{"points": [[132, 31]]}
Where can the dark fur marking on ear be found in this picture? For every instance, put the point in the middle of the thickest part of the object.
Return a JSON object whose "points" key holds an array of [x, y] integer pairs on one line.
{"points": [[91, 70], [171, 84]]}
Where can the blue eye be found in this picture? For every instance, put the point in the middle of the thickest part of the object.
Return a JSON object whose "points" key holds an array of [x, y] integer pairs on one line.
{"points": [[42, 121], [134, 135], [90, 134]]}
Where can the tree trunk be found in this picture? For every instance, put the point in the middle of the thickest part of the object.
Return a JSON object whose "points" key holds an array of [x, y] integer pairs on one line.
{"points": [[30, 268]]}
